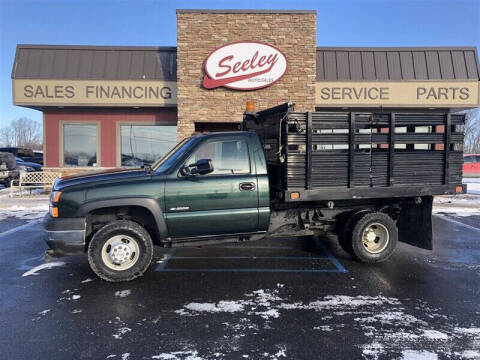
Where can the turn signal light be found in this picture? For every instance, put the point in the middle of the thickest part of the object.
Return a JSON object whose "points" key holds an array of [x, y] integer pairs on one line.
{"points": [[54, 211], [458, 189], [56, 197], [250, 106], [294, 196]]}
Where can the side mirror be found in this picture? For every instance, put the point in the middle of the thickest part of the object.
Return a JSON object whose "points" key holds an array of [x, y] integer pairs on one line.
{"points": [[201, 167]]}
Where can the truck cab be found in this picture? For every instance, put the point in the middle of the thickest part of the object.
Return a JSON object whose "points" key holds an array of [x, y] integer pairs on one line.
{"points": [[209, 188]]}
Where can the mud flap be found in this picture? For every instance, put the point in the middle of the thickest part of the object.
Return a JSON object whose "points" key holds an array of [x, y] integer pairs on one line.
{"points": [[415, 224]]}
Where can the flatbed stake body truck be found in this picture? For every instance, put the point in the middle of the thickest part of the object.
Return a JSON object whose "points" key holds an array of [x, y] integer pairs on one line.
{"points": [[368, 177]]}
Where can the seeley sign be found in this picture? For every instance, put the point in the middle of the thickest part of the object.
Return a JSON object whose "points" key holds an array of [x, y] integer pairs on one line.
{"points": [[244, 65]]}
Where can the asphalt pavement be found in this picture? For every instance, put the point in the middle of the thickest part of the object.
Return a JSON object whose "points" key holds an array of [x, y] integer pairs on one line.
{"points": [[272, 299]]}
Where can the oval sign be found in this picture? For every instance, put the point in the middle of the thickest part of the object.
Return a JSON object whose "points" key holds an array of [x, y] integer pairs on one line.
{"points": [[244, 65]]}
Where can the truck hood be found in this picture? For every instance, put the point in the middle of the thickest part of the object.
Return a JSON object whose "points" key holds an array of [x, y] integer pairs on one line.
{"points": [[113, 175]]}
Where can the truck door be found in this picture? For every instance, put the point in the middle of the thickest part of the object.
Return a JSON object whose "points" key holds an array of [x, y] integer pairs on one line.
{"points": [[220, 203]]}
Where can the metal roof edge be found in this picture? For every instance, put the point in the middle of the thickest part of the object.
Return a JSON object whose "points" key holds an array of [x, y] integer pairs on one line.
{"points": [[15, 61], [246, 11], [96, 47], [395, 48]]}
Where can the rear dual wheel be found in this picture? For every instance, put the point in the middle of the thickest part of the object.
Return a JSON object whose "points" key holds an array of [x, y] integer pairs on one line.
{"points": [[370, 237]]}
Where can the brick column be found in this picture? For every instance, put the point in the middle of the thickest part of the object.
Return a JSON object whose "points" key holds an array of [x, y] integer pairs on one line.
{"points": [[200, 32]]}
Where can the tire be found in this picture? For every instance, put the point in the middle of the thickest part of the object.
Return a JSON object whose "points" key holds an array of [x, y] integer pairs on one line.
{"points": [[120, 251], [374, 237], [344, 231]]}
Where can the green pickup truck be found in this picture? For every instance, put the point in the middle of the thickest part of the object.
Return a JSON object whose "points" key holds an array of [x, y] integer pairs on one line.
{"points": [[286, 174]]}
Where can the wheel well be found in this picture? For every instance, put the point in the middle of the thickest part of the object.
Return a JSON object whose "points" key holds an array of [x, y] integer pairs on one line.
{"points": [[139, 214], [391, 209]]}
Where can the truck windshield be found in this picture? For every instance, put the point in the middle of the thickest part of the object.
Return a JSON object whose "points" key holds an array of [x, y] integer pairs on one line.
{"points": [[171, 157]]}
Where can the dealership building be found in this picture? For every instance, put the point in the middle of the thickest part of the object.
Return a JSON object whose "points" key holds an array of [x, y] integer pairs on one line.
{"points": [[110, 106]]}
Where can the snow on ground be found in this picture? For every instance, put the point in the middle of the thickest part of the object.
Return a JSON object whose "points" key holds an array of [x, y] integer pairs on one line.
{"points": [[179, 355], [49, 265], [390, 326], [473, 185], [23, 207], [418, 355], [460, 205], [122, 293], [24, 213]]}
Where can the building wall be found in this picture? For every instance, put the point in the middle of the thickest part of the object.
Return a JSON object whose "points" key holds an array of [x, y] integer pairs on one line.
{"points": [[199, 33], [107, 120]]}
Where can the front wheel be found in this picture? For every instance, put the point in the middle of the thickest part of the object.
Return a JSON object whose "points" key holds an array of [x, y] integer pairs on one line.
{"points": [[374, 237], [120, 251]]}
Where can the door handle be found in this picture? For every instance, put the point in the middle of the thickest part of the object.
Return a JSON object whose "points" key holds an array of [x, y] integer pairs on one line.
{"points": [[247, 186]]}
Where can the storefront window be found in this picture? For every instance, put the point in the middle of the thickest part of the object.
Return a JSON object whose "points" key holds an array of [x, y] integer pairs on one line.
{"points": [[80, 145], [143, 144]]}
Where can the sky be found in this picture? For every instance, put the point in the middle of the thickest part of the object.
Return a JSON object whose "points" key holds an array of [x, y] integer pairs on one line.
{"points": [[149, 22]]}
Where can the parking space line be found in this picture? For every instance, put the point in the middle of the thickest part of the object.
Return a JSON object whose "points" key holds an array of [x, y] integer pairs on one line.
{"points": [[332, 258], [253, 270], [253, 257], [328, 256], [161, 267], [21, 227], [446, 218]]}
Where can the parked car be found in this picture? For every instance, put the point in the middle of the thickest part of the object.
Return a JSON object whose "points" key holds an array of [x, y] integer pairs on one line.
{"points": [[35, 156], [27, 165], [8, 168], [471, 165]]}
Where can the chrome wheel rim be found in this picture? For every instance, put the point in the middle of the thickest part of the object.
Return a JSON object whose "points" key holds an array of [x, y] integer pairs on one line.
{"points": [[120, 252], [375, 238]]}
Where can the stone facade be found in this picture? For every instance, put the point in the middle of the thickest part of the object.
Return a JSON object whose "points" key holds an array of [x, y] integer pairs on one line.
{"points": [[200, 32]]}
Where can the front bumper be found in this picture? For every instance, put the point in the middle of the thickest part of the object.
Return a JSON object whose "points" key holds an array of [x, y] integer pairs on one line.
{"points": [[65, 236]]}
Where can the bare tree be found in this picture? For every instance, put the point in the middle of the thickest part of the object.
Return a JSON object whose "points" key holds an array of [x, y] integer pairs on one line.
{"points": [[22, 132], [472, 131]]}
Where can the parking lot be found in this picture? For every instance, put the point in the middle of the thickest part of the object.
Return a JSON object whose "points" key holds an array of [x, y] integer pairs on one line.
{"points": [[271, 299]]}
